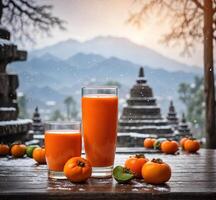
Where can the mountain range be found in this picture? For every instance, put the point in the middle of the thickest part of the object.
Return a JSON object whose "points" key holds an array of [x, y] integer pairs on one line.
{"points": [[52, 73], [115, 47]]}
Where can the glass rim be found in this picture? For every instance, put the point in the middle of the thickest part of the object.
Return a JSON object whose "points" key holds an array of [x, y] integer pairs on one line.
{"points": [[100, 90], [62, 122], [100, 87]]}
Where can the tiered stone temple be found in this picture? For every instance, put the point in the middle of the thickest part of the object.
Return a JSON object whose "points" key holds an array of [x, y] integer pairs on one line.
{"points": [[172, 116], [37, 125], [141, 117], [11, 128], [183, 128]]}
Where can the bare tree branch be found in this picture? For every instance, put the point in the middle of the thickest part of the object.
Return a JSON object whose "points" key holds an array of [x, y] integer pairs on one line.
{"points": [[28, 19], [186, 19], [198, 4]]}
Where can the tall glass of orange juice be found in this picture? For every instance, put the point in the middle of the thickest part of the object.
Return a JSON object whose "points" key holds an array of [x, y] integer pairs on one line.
{"points": [[99, 126], [62, 142]]}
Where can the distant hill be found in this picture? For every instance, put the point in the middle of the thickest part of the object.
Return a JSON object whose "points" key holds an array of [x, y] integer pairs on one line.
{"points": [[48, 78], [115, 47], [82, 60], [44, 94]]}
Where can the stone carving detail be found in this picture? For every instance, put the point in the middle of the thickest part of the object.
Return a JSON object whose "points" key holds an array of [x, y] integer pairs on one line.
{"points": [[10, 127]]}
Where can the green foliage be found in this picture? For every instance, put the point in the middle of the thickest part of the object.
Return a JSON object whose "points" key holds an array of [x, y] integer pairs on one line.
{"points": [[193, 98], [56, 116], [22, 103], [71, 107], [184, 93]]}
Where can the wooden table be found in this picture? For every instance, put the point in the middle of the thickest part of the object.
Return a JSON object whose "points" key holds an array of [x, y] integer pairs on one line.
{"points": [[193, 177]]}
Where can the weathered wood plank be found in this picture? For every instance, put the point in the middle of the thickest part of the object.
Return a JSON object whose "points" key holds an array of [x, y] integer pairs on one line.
{"points": [[193, 177]]}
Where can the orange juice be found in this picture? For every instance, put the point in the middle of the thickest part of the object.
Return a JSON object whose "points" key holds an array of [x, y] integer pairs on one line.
{"points": [[61, 145], [99, 123]]}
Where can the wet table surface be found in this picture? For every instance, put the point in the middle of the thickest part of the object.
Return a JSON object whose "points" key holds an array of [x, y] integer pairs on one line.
{"points": [[193, 177]]}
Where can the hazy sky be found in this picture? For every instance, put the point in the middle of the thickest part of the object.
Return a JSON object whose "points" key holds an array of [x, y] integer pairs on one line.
{"points": [[90, 18]]}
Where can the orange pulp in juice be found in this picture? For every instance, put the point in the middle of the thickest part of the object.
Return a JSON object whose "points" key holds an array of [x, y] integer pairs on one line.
{"points": [[99, 123], [60, 146]]}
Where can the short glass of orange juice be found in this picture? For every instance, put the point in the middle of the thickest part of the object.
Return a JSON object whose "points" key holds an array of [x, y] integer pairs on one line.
{"points": [[99, 127], [62, 141]]}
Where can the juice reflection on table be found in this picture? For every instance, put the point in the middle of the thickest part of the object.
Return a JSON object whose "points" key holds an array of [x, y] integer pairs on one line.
{"points": [[61, 145], [99, 122]]}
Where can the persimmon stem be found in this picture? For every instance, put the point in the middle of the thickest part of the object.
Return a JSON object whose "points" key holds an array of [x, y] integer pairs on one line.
{"points": [[192, 138], [158, 160], [80, 163], [140, 156]]}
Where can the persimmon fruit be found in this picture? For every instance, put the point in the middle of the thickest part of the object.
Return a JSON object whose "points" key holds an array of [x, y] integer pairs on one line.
{"points": [[4, 149], [182, 141], [169, 147], [191, 145], [77, 169], [156, 172], [135, 163], [39, 155], [149, 143], [18, 150]]}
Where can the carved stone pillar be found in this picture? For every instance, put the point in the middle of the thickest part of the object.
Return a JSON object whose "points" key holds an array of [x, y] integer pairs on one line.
{"points": [[11, 128]]}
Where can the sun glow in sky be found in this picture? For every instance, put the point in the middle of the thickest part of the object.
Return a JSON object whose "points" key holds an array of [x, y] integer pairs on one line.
{"points": [[87, 19]]}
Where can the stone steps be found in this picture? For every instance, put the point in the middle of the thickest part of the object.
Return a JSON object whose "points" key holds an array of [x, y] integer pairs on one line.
{"points": [[141, 110], [141, 102], [146, 129], [142, 122]]}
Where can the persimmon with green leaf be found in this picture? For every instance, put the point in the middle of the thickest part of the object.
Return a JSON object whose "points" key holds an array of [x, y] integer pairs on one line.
{"points": [[157, 143], [122, 174], [30, 149]]}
